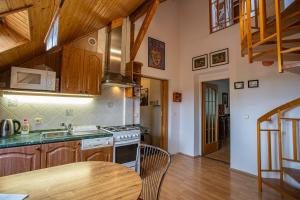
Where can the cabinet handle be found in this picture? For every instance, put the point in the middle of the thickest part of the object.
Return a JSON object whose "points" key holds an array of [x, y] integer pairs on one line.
{"points": [[38, 148]]}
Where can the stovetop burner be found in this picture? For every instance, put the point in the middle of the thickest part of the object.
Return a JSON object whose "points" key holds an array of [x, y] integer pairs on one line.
{"points": [[121, 128]]}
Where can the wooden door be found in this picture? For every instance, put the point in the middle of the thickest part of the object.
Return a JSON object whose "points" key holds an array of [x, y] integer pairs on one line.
{"points": [[209, 118], [101, 154], [164, 114], [60, 153], [72, 70], [92, 73], [19, 159]]}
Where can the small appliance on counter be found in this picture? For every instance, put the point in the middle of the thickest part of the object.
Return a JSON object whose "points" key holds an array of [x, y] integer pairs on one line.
{"points": [[9, 127]]}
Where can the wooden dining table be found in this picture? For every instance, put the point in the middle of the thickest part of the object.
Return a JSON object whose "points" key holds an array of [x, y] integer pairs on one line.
{"points": [[83, 180]]}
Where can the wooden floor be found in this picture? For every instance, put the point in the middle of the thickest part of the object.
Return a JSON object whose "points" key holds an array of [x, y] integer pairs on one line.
{"points": [[204, 178], [222, 154]]}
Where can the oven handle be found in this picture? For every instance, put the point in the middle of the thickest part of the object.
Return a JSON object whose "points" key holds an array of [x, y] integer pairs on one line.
{"points": [[125, 143]]}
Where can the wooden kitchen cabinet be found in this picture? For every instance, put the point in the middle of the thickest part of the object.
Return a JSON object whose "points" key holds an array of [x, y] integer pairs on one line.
{"points": [[72, 70], [19, 159], [92, 73], [101, 154], [60, 153], [81, 71]]}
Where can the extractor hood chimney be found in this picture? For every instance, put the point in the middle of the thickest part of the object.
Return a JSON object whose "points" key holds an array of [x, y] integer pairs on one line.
{"points": [[115, 57]]}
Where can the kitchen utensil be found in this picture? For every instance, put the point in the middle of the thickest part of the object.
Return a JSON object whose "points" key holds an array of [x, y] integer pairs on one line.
{"points": [[9, 127]]}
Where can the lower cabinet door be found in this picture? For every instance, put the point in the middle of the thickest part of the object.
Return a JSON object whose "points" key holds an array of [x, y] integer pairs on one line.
{"points": [[54, 154], [100, 154], [19, 159]]}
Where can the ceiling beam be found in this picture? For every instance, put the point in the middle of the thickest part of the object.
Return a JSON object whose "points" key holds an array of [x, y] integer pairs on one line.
{"points": [[3, 14], [140, 11], [150, 13]]}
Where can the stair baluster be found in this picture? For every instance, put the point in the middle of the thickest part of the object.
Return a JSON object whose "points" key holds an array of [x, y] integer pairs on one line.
{"points": [[280, 184]]}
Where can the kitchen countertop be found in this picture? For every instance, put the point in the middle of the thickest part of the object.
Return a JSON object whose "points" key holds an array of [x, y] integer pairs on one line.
{"points": [[35, 138]]}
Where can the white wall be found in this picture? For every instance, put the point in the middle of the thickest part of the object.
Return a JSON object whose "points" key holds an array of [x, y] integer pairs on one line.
{"points": [[164, 27], [275, 89]]}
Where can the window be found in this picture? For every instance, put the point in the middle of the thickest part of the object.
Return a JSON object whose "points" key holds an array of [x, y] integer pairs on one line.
{"points": [[52, 36], [223, 13]]}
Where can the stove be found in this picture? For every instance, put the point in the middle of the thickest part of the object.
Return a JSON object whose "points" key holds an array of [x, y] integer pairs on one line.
{"points": [[126, 142], [124, 133]]}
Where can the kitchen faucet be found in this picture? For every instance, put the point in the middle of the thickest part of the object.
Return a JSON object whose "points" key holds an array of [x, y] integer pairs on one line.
{"points": [[68, 127]]}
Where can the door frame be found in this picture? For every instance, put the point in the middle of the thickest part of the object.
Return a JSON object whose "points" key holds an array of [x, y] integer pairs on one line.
{"points": [[203, 121], [164, 94]]}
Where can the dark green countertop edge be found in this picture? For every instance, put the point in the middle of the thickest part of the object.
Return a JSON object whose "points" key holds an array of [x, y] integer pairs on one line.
{"points": [[34, 138]]}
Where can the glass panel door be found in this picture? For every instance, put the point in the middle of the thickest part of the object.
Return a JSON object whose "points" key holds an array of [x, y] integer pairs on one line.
{"points": [[209, 118]]}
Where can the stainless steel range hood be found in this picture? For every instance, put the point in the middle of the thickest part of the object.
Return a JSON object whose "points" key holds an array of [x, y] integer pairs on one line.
{"points": [[115, 58]]}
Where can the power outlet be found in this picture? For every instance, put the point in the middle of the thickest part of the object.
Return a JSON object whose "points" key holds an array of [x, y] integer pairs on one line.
{"points": [[38, 120], [69, 112]]}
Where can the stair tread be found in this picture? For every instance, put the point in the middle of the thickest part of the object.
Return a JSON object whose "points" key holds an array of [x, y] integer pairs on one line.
{"points": [[294, 173], [282, 187]]}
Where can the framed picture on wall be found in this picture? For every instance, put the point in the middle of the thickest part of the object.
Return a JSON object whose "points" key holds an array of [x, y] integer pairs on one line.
{"points": [[156, 53], [200, 62], [144, 98], [239, 85], [220, 57], [253, 84]]}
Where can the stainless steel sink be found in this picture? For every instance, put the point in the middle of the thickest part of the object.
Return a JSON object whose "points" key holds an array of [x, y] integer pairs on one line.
{"points": [[54, 134]]}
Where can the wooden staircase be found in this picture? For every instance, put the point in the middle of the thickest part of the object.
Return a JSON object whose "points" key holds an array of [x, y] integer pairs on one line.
{"points": [[275, 170], [271, 37]]}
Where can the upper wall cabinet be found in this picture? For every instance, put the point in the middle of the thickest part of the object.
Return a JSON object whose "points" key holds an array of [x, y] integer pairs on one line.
{"points": [[81, 71]]}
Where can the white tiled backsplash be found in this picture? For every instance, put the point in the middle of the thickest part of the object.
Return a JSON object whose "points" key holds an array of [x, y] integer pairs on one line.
{"points": [[109, 109]]}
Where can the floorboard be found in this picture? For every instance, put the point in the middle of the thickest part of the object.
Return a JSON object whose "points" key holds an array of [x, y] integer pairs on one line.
{"points": [[207, 179], [222, 154]]}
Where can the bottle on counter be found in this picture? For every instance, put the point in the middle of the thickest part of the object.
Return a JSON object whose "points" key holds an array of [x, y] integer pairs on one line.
{"points": [[25, 127]]}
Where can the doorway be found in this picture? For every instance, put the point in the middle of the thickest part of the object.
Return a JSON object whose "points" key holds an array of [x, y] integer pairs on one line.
{"points": [[216, 120], [154, 111]]}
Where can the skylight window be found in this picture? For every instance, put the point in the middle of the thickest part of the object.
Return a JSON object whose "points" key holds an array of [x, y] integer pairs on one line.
{"points": [[52, 39]]}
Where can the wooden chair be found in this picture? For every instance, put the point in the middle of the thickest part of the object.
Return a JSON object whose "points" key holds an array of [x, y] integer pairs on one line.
{"points": [[154, 163]]}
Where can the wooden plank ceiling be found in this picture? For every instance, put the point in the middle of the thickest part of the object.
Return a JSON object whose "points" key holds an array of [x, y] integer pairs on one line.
{"points": [[78, 18]]}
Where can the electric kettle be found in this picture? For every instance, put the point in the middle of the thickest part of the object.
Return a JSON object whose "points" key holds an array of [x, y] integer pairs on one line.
{"points": [[9, 127]]}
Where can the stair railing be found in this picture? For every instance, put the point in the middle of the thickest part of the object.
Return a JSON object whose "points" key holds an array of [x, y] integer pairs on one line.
{"points": [[246, 30], [267, 118]]}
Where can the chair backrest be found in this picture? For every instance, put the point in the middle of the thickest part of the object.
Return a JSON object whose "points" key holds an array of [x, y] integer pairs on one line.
{"points": [[154, 163]]}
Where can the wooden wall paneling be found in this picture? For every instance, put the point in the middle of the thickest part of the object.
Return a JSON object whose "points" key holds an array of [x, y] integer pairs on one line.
{"points": [[20, 23], [54, 154], [19, 159], [76, 19], [10, 38]]}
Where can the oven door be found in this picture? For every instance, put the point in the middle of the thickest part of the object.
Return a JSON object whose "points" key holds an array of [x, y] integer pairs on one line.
{"points": [[125, 153]]}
